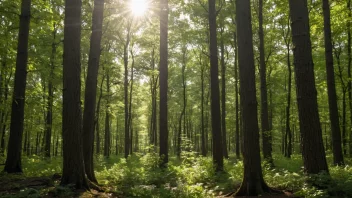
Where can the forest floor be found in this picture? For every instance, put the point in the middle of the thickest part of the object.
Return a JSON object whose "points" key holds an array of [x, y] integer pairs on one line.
{"points": [[192, 176]]}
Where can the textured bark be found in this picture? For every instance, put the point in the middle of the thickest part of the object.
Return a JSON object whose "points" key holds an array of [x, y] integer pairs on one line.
{"points": [[349, 84], [125, 85], [182, 115], [333, 110], [266, 133], [202, 127], [215, 92], [91, 89], [237, 132], [49, 110], [13, 160], [311, 134], [163, 69], [253, 183], [97, 117], [73, 164], [107, 133], [337, 54], [288, 150], [223, 94], [153, 90], [130, 105]]}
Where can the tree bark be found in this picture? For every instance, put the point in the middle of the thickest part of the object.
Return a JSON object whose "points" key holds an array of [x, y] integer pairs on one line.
{"points": [[163, 69], [97, 117], [130, 106], [333, 110], [49, 111], [73, 164], [89, 113], [107, 134], [288, 150], [223, 94], [215, 92], [266, 133], [312, 143], [253, 182], [203, 141], [237, 132], [13, 159], [349, 85]]}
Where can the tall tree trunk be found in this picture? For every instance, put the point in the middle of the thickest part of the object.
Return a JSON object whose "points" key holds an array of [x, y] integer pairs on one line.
{"points": [[73, 164], [89, 113], [130, 106], [349, 85], [125, 60], [163, 68], [312, 143], [97, 117], [117, 136], [266, 133], [337, 53], [13, 159], [253, 182], [223, 93], [237, 132], [289, 88], [202, 127], [182, 116], [49, 110], [333, 110], [215, 92], [107, 134]]}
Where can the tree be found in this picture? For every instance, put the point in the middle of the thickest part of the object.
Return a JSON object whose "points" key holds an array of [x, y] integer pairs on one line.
{"points": [[312, 143], [13, 159], [73, 164], [223, 91], [266, 133], [163, 75], [333, 110], [253, 182], [91, 88], [215, 92]]}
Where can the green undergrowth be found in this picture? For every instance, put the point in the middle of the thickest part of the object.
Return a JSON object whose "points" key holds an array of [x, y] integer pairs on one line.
{"points": [[190, 176]]}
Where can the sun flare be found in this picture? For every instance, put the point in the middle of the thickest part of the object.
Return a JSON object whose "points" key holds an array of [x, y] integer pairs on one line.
{"points": [[138, 7]]}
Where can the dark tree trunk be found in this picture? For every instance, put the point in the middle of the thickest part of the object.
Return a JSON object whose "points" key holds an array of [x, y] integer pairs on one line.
{"points": [[333, 110], [73, 164], [337, 54], [13, 159], [253, 183], [56, 145], [349, 85], [49, 110], [266, 133], [130, 106], [215, 92], [223, 94], [237, 132], [288, 151], [117, 135], [203, 141], [97, 117], [312, 143], [125, 60], [89, 113], [153, 89], [163, 68], [182, 116], [107, 134]]}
